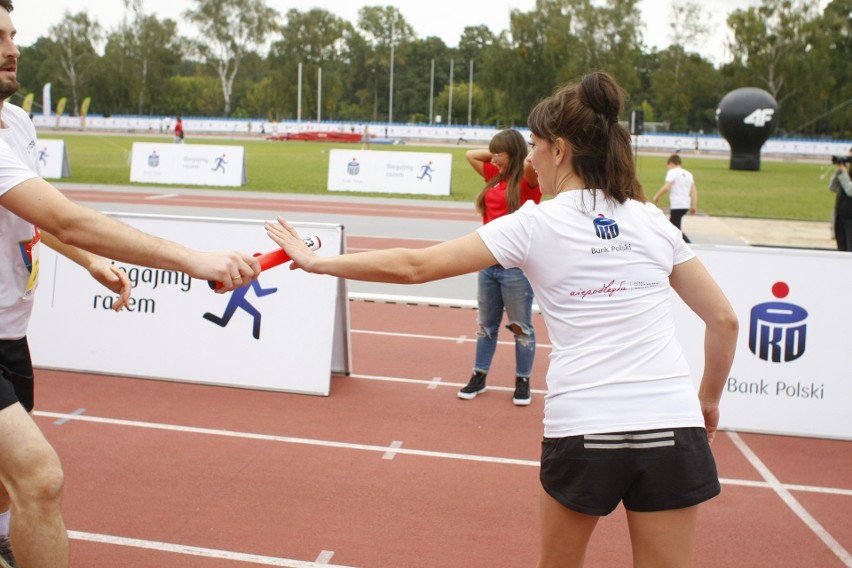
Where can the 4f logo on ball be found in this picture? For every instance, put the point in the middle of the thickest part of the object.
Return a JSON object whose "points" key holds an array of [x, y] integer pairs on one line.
{"points": [[760, 117]]}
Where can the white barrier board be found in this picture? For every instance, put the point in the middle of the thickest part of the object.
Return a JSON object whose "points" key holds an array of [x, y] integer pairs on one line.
{"points": [[52, 159], [287, 331], [791, 373], [417, 173], [190, 164]]}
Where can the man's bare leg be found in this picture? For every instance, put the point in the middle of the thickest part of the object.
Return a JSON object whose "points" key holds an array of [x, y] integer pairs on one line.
{"points": [[32, 475]]}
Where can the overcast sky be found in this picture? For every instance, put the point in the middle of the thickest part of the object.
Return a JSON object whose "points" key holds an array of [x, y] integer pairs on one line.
{"points": [[443, 18]]}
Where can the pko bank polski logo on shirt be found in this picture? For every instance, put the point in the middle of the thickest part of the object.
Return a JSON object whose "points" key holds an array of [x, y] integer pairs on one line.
{"points": [[777, 330], [605, 228]]}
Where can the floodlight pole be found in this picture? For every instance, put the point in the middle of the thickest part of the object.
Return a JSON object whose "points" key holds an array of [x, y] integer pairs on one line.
{"points": [[431, 91], [450, 104], [299, 97], [470, 94], [319, 95], [390, 96]]}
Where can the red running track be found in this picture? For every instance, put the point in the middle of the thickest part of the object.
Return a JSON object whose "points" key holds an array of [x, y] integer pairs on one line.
{"points": [[390, 471]]}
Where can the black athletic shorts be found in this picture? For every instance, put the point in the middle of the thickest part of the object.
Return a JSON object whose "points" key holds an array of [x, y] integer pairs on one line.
{"points": [[650, 470], [16, 373]]}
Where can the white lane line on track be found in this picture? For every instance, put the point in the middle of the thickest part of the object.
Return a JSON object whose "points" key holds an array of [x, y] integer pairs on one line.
{"points": [[204, 552], [408, 451], [433, 383], [390, 454], [457, 339], [162, 196], [77, 412], [783, 492], [284, 439]]}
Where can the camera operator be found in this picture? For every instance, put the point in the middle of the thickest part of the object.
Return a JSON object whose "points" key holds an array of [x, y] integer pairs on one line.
{"points": [[842, 186]]}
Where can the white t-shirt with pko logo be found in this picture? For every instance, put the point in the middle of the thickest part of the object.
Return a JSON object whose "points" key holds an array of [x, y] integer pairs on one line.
{"points": [[19, 240], [600, 273]]}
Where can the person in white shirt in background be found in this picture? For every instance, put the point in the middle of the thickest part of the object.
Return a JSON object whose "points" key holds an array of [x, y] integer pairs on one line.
{"points": [[683, 194]]}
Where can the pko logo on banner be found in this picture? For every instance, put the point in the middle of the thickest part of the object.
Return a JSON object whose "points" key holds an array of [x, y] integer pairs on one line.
{"points": [[605, 228], [777, 330]]}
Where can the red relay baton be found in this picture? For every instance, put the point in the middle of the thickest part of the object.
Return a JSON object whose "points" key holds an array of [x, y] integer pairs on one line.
{"points": [[274, 258]]}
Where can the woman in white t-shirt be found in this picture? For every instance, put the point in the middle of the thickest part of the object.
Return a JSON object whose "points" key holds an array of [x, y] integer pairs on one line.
{"points": [[622, 420]]}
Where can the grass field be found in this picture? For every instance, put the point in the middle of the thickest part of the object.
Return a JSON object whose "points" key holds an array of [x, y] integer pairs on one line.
{"points": [[780, 190]]}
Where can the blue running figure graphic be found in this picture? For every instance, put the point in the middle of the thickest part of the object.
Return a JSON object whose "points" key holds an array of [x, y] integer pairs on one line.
{"points": [[219, 164], [426, 170], [238, 300]]}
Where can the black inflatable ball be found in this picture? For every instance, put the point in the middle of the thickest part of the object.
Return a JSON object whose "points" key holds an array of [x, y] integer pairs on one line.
{"points": [[746, 118]]}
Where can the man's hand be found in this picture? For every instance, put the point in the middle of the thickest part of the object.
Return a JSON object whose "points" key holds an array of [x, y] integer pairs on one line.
{"points": [[112, 278]]}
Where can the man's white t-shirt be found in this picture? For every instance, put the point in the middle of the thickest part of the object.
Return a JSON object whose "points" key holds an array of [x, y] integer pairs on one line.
{"points": [[19, 239], [600, 272], [679, 194]]}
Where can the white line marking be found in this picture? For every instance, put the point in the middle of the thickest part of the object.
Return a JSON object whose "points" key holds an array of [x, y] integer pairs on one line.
{"points": [[325, 557], [789, 487], [420, 301], [791, 501], [420, 382], [390, 454], [196, 551], [77, 412], [284, 439], [162, 196], [433, 384], [384, 449], [459, 340]]}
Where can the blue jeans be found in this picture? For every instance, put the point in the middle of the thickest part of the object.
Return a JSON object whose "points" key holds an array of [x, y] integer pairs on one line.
{"points": [[501, 288]]}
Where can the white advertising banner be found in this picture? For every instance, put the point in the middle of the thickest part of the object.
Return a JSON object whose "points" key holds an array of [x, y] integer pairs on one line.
{"points": [[52, 159], [286, 331], [791, 374], [374, 171], [190, 164]]}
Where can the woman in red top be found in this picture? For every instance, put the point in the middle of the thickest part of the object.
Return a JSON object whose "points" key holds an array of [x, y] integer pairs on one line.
{"points": [[510, 181]]}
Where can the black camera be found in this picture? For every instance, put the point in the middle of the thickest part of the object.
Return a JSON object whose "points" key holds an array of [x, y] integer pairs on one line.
{"points": [[841, 160]]}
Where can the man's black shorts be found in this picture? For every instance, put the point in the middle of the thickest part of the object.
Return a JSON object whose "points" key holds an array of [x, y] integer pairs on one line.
{"points": [[16, 373], [650, 470]]}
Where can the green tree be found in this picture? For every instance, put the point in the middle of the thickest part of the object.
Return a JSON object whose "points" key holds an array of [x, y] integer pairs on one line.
{"points": [[413, 82], [75, 38], [192, 96], [316, 39], [229, 29], [837, 28], [682, 81], [139, 55], [773, 48], [830, 107], [383, 28], [153, 47], [37, 66]]}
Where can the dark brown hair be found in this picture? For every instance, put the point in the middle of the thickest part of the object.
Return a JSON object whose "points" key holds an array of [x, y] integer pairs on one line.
{"points": [[510, 142], [585, 114], [674, 159]]}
